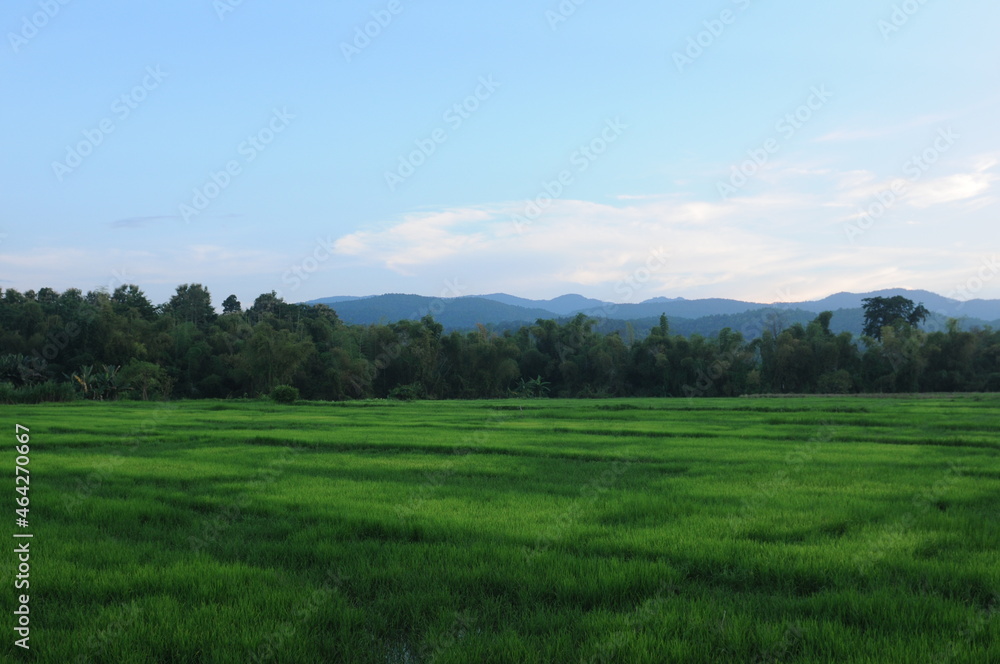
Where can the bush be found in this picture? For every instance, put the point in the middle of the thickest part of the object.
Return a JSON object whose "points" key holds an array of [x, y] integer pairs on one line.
{"points": [[407, 392], [835, 382], [145, 380], [45, 392], [285, 394]]}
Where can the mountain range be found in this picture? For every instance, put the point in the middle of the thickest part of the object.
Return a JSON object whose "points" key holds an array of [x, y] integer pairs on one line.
{"points": [[501, 311]]}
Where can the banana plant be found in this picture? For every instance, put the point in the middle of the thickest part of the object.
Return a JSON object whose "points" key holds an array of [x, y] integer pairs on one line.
{"points": [[105, 384], [534, 388], [84, 380]]}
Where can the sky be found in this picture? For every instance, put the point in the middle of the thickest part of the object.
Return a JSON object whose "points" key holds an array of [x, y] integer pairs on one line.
{"points": [[766, 151]]}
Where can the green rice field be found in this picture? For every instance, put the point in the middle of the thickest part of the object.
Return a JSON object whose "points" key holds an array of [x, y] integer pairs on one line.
{"points": [[851, 530]]}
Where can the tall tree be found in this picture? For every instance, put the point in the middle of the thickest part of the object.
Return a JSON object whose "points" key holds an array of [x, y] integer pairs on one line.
{"points": [[231, 305], [885, 311], [192, 304], [129, 299]]}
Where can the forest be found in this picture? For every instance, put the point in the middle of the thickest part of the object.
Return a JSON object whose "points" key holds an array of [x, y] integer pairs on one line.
{"points": [[118, 345]]}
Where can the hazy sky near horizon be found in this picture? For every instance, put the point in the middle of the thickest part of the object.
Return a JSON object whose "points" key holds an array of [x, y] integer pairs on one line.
{"points": [[622, 151]]}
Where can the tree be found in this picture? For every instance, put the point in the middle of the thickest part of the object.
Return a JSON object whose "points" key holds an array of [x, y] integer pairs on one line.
{"points": [[267, 303], [664, 328], [192, 304], [231, 305], [144, 377], [19, 371], [272, 357], [882, 312], [128, 298]]}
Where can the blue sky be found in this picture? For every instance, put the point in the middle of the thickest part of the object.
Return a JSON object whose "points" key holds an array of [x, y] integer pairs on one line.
{"points": [[768, 151]]}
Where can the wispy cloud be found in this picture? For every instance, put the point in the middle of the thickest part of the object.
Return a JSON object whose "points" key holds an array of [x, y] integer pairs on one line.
{"points": [[65, 267], [848, 134], [959, 187], [783, 239]]}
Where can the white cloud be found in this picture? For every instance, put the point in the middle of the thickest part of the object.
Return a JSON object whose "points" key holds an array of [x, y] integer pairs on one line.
{"points": [[63, 268], [869, 133], [959, 187], [781, 239], [757, 246]]}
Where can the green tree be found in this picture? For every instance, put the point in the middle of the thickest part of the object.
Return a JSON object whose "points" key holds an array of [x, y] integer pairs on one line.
{"points": [[267, 304], [231, 305], [663, 330], [274, 356], [192, 303], [144, 378], [882, 312], [129, 299]]}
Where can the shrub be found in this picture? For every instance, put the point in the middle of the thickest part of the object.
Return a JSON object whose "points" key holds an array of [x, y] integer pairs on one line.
{"points": [[285, 394], [835, 382], [44, 392], [407, 392], [53, 391]]}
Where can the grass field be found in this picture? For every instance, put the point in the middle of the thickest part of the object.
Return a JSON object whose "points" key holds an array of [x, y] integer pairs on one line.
{"points": [[841, 530]]}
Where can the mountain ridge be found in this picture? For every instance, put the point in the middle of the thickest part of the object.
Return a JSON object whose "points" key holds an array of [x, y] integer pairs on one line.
{"points": [[702, 315]]}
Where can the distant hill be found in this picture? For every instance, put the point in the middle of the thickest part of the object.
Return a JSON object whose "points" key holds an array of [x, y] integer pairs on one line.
{"points": [[681, 308], [337, 299], [984, 309], [706, 317], [751, 324], [564, 305], [453, 313]]}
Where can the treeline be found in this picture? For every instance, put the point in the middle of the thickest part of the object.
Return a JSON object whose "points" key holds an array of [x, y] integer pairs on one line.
{"points": [[101, 345]]}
